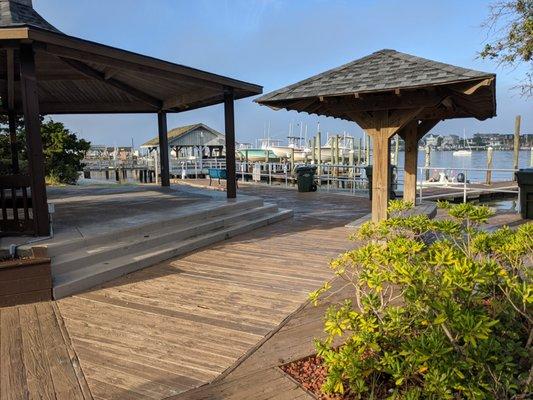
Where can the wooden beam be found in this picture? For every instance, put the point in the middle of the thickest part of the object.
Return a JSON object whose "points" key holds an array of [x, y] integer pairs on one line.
{"points": [[125, 63], [425, 126], [392, 101], [30, 105], [229, 119], [470, 88], [183, 100], [163, 148], [100, 76]]}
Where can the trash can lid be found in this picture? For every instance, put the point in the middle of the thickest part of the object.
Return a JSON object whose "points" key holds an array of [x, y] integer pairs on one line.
{"points": [[304, 168]]}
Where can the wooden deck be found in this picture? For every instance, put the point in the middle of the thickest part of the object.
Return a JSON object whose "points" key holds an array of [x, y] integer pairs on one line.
{"points": [[178, 325], [37, 360]]}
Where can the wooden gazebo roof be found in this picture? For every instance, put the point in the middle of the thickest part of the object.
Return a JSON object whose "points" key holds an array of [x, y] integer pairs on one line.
{"points": [[79, 76], [388, 79], [389, 93]]}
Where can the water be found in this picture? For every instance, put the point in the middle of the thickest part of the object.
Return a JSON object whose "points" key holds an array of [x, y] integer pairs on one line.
{"points": [[478, 159]]}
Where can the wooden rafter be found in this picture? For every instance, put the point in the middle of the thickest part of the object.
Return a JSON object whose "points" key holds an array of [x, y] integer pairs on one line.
{"points": [[100, 76]]}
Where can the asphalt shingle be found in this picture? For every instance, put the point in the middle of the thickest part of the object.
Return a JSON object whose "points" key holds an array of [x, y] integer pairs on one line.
{"points": [[15, 13], [380, 71]]}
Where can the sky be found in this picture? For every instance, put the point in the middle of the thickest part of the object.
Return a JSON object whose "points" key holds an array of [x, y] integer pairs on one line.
{"points": [[275, 43]]}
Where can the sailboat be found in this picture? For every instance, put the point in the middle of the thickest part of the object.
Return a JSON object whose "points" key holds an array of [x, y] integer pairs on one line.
{"points": [[463, 152]]}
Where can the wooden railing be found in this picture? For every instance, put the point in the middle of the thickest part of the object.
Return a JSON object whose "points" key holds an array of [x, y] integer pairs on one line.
{"points": [[16, 205]]}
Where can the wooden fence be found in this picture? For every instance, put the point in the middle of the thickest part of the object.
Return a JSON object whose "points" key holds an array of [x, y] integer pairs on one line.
{"points": [[16, 205]]}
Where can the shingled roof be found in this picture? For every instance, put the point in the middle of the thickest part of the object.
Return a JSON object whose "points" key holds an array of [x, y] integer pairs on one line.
{"points": [[17, 13], [181, 131], [383, 70]]}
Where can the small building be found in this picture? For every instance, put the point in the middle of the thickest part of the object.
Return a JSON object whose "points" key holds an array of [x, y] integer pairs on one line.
{"points": [[192, 141]]}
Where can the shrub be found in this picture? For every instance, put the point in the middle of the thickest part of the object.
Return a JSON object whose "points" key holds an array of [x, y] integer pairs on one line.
{"points": [[441, 309]]}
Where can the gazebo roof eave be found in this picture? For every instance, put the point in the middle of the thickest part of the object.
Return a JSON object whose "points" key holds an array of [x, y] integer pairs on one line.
{"points": [[268, 98], [48, 38]]}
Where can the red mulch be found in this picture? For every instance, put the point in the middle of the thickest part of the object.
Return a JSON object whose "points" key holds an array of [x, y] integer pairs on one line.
{"points": [[310, 373]]}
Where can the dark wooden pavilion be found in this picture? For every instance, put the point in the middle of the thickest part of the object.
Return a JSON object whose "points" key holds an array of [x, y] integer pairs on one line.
{"points": [[44, 71], [388, 93]]}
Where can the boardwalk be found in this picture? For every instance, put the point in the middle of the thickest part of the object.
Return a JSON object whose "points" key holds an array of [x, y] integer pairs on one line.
{"points": [[178, 325]]}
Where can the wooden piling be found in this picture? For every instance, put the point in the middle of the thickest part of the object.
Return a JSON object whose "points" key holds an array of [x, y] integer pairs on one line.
{"points": [[319, 155], [488, 177], [396, 149], [427, 161], [516, 146], [313, 150], [367, 150]]}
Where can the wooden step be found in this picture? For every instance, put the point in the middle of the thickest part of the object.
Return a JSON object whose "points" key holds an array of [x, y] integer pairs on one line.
{"points": [[77, 280]]}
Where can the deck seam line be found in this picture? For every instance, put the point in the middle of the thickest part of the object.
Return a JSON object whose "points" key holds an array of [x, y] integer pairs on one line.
{"points": [[78, 369]]}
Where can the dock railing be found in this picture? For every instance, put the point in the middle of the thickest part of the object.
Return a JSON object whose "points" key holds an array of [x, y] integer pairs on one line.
{"points": [[465, 187]]}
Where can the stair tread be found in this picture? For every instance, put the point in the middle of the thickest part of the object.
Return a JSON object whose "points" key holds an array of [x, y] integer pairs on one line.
{"points": [[116, 263], [139, 238], [173, 221]]}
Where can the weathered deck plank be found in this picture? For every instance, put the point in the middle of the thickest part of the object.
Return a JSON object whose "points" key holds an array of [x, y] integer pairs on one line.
{"points": [[189, 319], [36, 362]]}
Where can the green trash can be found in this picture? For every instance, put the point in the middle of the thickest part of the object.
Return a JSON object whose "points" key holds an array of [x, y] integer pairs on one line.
{"points": [[305, 176], [392, 181], [524, 177]]}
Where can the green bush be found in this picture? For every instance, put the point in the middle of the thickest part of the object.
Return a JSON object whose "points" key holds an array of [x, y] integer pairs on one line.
{"points": [[440, 309], [63, 151]]}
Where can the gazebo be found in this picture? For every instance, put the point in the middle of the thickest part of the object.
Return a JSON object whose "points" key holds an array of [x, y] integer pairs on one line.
{"points": [[45, 71], [388, 93]]}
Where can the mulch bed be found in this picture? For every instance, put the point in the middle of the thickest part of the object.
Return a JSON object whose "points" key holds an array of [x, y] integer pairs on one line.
{"points": [[311, 373]]}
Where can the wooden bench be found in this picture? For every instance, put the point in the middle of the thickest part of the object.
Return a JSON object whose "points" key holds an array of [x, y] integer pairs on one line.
{"points": [[218, 173]]}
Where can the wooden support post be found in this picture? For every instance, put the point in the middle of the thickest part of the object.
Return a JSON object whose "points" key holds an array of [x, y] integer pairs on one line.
{"points": [[516, 146], [229, 120], [488, 178], [410, 163], [380, 176], [319, 156], [30, 106], [13, 139], [163, 148]]}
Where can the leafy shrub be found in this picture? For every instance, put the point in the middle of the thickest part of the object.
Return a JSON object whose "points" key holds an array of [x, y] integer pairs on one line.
{"points": [[441, 309]]}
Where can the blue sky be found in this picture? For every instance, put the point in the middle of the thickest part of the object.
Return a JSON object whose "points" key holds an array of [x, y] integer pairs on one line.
{"points": [[278, 42]]}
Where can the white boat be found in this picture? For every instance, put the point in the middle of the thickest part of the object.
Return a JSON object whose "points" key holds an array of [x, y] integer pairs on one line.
{"points": [[286, 151], [462, 153]]}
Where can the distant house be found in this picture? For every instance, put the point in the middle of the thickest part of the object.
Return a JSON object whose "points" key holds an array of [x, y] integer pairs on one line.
{"points": [[450, 142], [432, 140], [197, 140], [102, 152]]}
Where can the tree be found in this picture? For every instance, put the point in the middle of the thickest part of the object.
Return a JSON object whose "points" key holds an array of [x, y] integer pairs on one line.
{"points": [[63, 150], [510, 27]]}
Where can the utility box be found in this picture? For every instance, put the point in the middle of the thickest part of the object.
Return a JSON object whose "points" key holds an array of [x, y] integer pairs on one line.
{"points": [[524, 177], [392, 181]]}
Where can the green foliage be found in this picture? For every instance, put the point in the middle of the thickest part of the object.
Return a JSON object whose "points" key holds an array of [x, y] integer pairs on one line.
{"points": [[441, 309], [63, 151], [510, 24]]}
